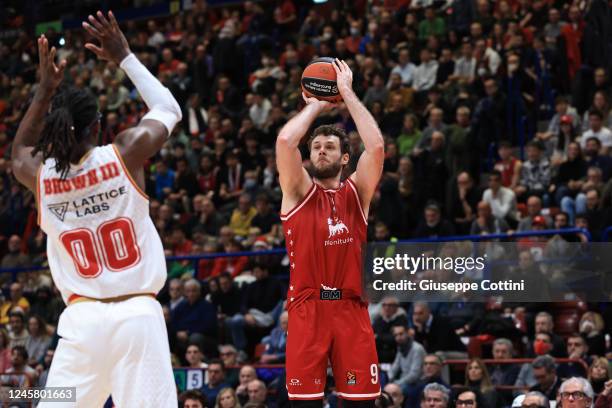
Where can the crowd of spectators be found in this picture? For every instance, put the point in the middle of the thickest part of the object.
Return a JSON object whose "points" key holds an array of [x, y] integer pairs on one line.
{"points": [[457, 87]]}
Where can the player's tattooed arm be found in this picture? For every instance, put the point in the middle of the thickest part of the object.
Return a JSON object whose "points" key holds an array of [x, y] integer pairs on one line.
{"points": [[370, 164], [24, 165]]}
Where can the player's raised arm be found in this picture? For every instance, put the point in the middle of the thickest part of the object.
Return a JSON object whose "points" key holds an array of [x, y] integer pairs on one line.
{"points": [[294, 179], [137, 144], [370, 164], [23, 162]]}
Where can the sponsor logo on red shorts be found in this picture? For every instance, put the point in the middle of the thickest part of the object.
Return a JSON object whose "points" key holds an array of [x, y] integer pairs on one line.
{"points": [[351, 378]]}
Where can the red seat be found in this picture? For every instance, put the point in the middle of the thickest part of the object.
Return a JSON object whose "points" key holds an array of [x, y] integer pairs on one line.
{"points": [[475, 344], [259, 350]]}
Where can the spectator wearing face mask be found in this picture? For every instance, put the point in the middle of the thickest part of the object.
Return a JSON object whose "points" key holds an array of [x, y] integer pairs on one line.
{"points": [[591, 328], [542, 345]]}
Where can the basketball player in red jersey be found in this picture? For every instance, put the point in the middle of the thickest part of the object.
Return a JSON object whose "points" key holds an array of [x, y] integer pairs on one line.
{"points": [[325, 224]]}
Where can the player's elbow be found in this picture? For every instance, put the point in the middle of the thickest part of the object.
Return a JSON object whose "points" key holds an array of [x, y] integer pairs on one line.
{"points": [[377, 149], [16, 163], [173, 106], [283, 141]]}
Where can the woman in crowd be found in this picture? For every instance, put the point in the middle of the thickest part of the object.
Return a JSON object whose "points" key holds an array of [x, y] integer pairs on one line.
{"points": [[599, 373], [477, 377], [39, 339], [227, 399], [592, 329]]}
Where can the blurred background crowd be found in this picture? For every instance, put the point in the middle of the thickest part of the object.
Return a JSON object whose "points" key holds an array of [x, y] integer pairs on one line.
{"points": [[496, 119]]}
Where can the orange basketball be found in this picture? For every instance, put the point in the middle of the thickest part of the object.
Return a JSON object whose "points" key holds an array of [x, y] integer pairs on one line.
{"points": [[319, 80]]}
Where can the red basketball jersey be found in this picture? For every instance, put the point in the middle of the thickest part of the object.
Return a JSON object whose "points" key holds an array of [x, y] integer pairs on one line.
{"points": [[324, 234]]}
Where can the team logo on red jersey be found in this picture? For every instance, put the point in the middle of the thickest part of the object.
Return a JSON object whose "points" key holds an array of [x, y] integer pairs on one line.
{"points": [[336, 228], [351, 378]]}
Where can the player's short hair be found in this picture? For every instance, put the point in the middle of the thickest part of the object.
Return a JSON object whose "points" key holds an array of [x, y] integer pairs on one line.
{"points": [[329, 130]]}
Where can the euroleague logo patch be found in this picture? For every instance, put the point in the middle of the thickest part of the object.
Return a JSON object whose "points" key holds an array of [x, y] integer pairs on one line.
{"points": [[351, 378]]}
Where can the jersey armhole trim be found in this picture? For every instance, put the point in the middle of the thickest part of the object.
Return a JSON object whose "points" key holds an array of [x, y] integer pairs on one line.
{"points": [[37, 193], [128, 174], [310, 193], [354, 188]]}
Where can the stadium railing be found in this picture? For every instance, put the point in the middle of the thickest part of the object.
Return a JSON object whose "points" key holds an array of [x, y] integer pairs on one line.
{"points": [[460, 362], [281, 251]]}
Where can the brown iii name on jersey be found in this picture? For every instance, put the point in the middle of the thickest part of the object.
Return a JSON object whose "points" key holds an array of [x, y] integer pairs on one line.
{"points": [[92, 177]]}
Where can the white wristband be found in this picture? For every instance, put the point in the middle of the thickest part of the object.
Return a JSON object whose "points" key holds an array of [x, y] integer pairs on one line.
{"points": [[163, 107]]}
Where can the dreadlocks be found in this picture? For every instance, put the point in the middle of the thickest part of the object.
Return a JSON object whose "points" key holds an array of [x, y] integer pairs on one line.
{"points": [[73, 112]]}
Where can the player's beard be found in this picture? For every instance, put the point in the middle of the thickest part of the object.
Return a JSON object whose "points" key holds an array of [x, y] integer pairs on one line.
{"points": [[326, 171]]}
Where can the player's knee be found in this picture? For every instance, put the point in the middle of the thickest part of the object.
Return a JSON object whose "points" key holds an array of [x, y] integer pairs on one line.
{"points": [[307, 403], [358, 404]]}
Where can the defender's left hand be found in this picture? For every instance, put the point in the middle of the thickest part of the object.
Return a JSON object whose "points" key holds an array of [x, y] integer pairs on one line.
{"points": [[51, 75], [344, 76]]}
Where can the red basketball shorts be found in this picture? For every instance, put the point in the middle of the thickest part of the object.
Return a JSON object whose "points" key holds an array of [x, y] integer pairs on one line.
{"points": [[336, 331]]}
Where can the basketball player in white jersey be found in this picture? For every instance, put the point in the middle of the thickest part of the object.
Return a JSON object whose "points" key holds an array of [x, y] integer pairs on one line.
{"points": [[105, 255]]}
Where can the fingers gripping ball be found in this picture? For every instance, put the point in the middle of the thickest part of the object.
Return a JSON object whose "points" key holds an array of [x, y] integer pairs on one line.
{"points": [[319, 80]]}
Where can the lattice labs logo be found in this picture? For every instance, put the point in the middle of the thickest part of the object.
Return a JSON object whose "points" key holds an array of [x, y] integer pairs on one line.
{"points": [[59, 209]]}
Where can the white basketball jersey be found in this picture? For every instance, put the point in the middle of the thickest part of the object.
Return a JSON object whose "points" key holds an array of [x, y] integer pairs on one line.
{"points": [[101, 241]]}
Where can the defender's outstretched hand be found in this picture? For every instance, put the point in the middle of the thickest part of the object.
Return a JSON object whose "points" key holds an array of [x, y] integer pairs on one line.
{"points": [[344, 77], [114, 45], [51, 75]]}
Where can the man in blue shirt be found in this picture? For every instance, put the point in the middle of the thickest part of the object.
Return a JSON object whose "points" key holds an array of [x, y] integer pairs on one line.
{"points": [[195, 320], [164, 180], [216, 381]]}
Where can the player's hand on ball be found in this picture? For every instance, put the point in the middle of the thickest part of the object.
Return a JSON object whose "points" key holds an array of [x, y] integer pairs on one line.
{"points": [[320, 105], [51, 75], [114, 45], [344, 76]]}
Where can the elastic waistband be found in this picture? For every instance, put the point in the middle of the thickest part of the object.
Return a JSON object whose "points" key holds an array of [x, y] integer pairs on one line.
{"points": [[333, 295], [74, 298]]}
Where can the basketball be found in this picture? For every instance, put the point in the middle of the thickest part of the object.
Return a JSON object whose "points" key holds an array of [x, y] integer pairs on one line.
{"points": [[319, 80]]}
